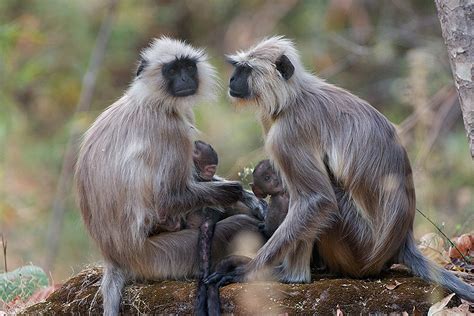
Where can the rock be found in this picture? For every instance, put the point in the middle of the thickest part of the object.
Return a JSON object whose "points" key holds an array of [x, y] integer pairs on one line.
{"points": [[395, 291]]}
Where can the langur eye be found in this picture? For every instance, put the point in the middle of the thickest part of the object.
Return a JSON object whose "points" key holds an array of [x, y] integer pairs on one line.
{"points": [[267, 178], [191, 67], [172, 71]]}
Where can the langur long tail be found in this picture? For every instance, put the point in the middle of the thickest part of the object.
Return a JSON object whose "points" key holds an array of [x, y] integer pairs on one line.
{"points": [[425, 269]]}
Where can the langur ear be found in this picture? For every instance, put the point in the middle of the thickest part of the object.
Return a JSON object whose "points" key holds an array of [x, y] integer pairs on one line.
{"points": [[285, 67], [141, 66]]}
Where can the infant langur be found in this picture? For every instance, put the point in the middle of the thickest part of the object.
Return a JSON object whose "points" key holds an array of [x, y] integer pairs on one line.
{"points": [[267, 182], [205, 160]]}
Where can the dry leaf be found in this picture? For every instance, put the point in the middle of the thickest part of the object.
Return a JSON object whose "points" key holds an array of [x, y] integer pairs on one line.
{"points": [[432, 240], [439, 307], [439, 257], [393, 286], [465, 244], [462, 309], [432, 247]]}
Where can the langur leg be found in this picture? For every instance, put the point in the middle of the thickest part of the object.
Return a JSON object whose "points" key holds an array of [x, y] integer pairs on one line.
{"points": [[208, 300], [174, 255], [206, 231], [304, 224], [295, 267]]}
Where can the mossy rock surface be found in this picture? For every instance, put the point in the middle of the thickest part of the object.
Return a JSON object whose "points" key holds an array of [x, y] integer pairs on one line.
{"points": [[395, 291], [22, 283]]}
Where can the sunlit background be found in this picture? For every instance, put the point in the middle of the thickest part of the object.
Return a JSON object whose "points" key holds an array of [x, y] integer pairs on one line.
{"points": [[388, 52]]}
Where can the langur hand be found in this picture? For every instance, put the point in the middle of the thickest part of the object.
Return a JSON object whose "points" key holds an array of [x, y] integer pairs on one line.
{"points": [[232, 269]]}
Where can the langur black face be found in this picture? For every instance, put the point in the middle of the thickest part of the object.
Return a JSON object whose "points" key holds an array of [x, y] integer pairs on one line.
{"points": [[205, 160], [239, 82], [239, 85], [182, 77], [265, 180]]}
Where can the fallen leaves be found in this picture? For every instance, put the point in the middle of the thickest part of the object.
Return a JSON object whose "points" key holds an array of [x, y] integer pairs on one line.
{"points": [[441, 309], [459, 258], [464, 247], [433, 247], [393, 286]]}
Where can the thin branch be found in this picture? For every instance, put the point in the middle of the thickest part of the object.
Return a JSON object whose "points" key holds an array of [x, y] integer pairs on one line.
{"points": [[85, 99], [410, 122], [250, 25], [4, 246], [443, 121], [348, 45], [444, 235]]}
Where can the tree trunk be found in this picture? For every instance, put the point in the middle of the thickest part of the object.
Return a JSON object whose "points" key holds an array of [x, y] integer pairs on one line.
{"points": [[457, 24]]}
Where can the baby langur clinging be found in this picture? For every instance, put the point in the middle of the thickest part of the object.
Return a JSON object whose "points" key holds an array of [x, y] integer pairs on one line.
{"points": [[267, 182], [322, 137], [135, 171], [205, 161]]}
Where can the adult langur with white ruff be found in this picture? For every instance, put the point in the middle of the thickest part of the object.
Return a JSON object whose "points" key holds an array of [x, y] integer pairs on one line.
{"points": [[135, 172], [319, 137]]}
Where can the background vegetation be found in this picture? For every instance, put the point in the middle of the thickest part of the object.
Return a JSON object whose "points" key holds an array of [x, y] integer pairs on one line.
{"points": [[388, 52]]}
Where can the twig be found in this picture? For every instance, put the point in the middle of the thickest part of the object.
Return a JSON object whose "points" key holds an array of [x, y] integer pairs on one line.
{"points": [[4, 246], [410, 122], [87, 91], [348, 45], [250, 25], [338, 67], [441, 123], [444, 235]]}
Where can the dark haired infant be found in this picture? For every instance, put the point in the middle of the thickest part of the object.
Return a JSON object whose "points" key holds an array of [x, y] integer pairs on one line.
{"points": [[267, 182]]}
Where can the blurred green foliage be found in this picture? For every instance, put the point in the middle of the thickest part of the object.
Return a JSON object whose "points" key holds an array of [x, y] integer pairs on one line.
{"points": [[21, 283], [365, 46]]}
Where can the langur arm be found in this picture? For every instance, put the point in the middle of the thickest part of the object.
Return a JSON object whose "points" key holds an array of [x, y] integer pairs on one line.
{"points": [[256, 206], [200, 194]]}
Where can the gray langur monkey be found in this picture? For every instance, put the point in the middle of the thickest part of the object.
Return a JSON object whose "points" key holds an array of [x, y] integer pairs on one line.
{"points": [[320, 136], [135, 171]]}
